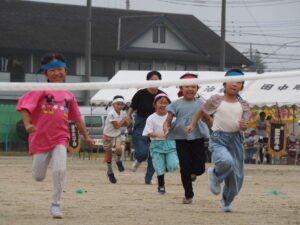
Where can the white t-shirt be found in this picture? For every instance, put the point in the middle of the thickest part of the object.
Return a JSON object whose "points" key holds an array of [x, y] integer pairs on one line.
{"points": [[261, 132], [227, 116], [154, 124], [112, 116]]}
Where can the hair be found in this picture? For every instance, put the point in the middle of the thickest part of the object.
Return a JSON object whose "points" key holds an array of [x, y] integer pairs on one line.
{"points": [[234, 70], [152, 73], [262, 114], [115, 97], [118, 96], [159, 97], [52, 56]]}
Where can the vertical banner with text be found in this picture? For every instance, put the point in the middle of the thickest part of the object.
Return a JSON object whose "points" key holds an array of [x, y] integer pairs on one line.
{"points": [[74, 142], [277, 139]]}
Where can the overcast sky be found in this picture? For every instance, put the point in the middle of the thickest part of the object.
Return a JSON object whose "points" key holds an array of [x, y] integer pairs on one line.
{"points": [[272, 26]]}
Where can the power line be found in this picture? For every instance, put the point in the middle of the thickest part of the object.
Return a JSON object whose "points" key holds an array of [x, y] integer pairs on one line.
{"points": [[236, 4]]}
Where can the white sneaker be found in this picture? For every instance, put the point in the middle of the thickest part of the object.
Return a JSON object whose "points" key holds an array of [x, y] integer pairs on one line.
{"points": [[135, 166], [225, 208], [213, 184], [56, 212]]}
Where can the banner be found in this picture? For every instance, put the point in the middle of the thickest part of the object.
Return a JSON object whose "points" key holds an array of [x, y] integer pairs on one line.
{"points": [[288, 114], [277, 139], [74, 142]]}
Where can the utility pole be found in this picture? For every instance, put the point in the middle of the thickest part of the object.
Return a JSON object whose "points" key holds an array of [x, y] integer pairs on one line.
{"points": [[251, 54], [88, 47], [127, 4], [222, 44]]}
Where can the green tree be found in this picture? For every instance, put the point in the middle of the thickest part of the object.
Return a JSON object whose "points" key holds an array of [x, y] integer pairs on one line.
{"points": [[258, 64]]}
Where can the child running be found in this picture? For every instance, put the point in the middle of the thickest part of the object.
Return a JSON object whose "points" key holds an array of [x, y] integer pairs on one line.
{"points": [[163, 152], [190, 147], [230, 114], [45, 115], [116, 118]]}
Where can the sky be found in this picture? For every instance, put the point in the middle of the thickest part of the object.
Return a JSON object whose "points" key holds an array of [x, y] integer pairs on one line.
{"points": [[271, 27]]}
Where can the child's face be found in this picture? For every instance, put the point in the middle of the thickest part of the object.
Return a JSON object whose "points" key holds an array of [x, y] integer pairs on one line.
{"points": [[189, 92], [233, 88], [118, 106], [160, 106], [56, 74]]}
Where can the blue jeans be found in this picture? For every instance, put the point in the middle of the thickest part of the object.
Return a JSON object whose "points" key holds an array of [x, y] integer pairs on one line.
{"points": [[228, 155], [141, 145]]}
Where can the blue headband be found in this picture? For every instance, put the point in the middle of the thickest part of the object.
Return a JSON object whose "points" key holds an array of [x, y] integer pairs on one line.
{"points": [[52, 65], [234, 74]]}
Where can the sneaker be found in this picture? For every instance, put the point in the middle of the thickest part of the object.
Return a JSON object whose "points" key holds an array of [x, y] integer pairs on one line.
{"points": [[55, 211], [187, 200], [151, 182], [193, 177], [135, 166], [111, 177], [120, 166], [161, 190], [225, 208], [214, 185]]}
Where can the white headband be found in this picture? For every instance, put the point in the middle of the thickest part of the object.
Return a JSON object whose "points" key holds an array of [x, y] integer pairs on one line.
{"points": [[118, 100]]}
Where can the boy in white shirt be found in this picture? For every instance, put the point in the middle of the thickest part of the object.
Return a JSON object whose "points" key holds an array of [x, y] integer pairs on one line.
{"points": [[116, 118]]}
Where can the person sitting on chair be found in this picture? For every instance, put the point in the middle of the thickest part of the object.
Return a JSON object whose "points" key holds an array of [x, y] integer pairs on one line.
{"points": [[250, 148]]}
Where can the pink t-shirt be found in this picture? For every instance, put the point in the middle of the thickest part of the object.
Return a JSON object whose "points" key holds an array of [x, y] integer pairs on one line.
{"points": [[49, 113]]}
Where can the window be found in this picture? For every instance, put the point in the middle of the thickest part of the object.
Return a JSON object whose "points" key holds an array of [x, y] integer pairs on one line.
{"points": [[93, 121], [97, 67], [71, 64], [145, 66], [162, 32], [159, 34], [139, 66], [133, 66], [4, 64], [155, 34]]}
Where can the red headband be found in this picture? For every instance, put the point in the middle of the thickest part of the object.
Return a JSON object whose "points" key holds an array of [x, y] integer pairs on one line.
{"points": [[188, 76], [179, 94]]}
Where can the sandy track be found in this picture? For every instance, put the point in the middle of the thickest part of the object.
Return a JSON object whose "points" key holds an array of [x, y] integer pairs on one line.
{"points": [[130, 201]]}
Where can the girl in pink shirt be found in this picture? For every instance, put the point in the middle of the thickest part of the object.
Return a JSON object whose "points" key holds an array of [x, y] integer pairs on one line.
{"points": [[45, 115]]}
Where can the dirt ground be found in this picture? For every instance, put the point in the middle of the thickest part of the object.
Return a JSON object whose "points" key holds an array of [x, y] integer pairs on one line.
{"points": [[270, 195]]}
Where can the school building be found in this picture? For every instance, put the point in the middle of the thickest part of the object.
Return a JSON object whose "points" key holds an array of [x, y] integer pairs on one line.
{"points": [[121, 40]]}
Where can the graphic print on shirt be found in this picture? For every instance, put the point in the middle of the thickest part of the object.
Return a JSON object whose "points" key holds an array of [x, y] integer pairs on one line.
{"points": [[66, 109], [48, 107], [51, 106]]}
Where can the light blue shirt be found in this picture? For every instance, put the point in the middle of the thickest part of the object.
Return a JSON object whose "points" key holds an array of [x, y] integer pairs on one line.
{"points": [[184, 113]]}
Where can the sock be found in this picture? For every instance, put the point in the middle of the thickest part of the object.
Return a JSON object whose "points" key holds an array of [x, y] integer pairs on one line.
{"points": [[109, 168], [161, 180]]}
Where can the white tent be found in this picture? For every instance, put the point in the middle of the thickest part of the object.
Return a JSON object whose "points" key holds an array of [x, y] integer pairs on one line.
{"points": [[267, 92], [205, 91], [281, 92]]}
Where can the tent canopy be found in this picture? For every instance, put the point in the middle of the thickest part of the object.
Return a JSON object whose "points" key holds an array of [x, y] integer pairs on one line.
{"points": [[106, 95], [267, 92], [281, 92]]}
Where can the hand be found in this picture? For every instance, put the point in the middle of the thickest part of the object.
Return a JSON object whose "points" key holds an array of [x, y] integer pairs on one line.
{"points": [[162, 136], [30, 128], [242, 124], [189, 129], [166, 130], [128, 120], [89, 141]]}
